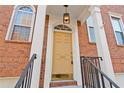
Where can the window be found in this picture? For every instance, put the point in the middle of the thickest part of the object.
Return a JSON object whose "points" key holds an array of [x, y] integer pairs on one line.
{"points": [[118, 30], [62, 27], [21, 25], [90, 28]]}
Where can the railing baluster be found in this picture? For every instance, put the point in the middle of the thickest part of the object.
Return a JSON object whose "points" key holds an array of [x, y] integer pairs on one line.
{"points": [[31, 69], [97, 79], [87, 70], [92, 76], [99, 62], [82, 72], [110, 84], [20, 86], [23, 83], [102, 79], [85, 74], [28, 81], [26, 76]]}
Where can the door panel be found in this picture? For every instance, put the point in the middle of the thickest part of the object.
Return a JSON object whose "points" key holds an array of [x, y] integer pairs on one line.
{"points": [[62, 56]]}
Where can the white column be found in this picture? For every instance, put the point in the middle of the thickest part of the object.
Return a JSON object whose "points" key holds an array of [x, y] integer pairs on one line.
{"points": [[76, 55], [101, 42], [37, 44], [48, 67]]}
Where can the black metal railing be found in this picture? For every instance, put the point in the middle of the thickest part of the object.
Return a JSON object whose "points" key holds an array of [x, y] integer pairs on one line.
{"points": [[92, 76], [26, 76]]}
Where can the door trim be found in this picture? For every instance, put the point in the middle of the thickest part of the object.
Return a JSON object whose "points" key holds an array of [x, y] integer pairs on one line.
{"points": [[75, 50]]}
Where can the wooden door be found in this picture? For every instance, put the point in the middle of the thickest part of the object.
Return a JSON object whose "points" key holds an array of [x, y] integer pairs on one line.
{"points": [[62, 68]]}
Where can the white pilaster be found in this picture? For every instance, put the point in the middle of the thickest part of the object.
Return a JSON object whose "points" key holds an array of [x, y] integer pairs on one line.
{"points": [[37, 44], [101, 42]]}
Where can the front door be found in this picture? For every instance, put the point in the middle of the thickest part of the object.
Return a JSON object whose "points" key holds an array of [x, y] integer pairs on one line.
{"points": [[62, 67]]}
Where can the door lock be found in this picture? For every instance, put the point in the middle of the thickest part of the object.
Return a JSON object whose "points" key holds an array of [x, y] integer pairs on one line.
{"points": [[71, 62]]}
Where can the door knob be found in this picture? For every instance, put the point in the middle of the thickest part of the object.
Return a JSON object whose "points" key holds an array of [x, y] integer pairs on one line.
{"points": [[71, 62]]}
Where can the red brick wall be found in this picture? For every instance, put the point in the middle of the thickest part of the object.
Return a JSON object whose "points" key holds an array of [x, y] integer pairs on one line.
{"points": [[86, 48], [116, 52], [13, 55]]}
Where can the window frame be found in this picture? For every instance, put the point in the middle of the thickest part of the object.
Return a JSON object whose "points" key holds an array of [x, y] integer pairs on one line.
{"points": [[119, 16], [88, 30], [12, 23]]}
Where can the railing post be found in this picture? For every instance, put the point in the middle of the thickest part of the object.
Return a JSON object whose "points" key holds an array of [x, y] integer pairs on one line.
{"points": [[82, 72]]}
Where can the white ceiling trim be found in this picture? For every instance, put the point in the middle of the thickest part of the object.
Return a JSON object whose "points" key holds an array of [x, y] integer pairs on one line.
{"points": [[76, 11]]}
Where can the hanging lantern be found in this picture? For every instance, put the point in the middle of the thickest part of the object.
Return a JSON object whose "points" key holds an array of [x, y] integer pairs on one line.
{"points": [[66, 17]]}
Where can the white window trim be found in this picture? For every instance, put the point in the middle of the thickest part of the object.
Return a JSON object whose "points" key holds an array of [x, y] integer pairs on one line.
{"points": [[116, 15], [89, 33], [11, 24]]}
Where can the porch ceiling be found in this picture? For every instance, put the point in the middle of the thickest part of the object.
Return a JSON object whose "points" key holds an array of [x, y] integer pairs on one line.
{"points": [[76, 11]]}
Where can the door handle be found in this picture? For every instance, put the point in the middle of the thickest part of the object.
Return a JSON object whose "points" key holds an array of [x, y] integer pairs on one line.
{"points": [[71, 62]]}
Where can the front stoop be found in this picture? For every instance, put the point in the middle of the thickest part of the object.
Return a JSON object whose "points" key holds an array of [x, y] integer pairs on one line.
{"points": [[62, 83]]}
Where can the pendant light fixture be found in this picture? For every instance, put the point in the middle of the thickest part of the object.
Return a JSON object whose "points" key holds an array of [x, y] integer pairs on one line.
{"points": [[66, 17]]}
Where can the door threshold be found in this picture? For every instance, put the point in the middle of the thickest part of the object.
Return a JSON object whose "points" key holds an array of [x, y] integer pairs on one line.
{"points": [[62, 80]]}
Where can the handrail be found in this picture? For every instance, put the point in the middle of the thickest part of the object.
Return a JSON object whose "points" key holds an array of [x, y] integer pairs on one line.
{"points": [[93, 76], [26, 76], [110, 80]]}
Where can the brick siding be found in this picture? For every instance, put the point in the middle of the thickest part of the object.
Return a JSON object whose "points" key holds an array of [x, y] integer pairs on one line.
{"points": [[116, 52], [42, 72], [15, 55], [86, 48]]}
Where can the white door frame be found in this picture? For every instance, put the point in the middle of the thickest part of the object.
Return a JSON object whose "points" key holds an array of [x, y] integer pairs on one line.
{"points": [[54, 21]]}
